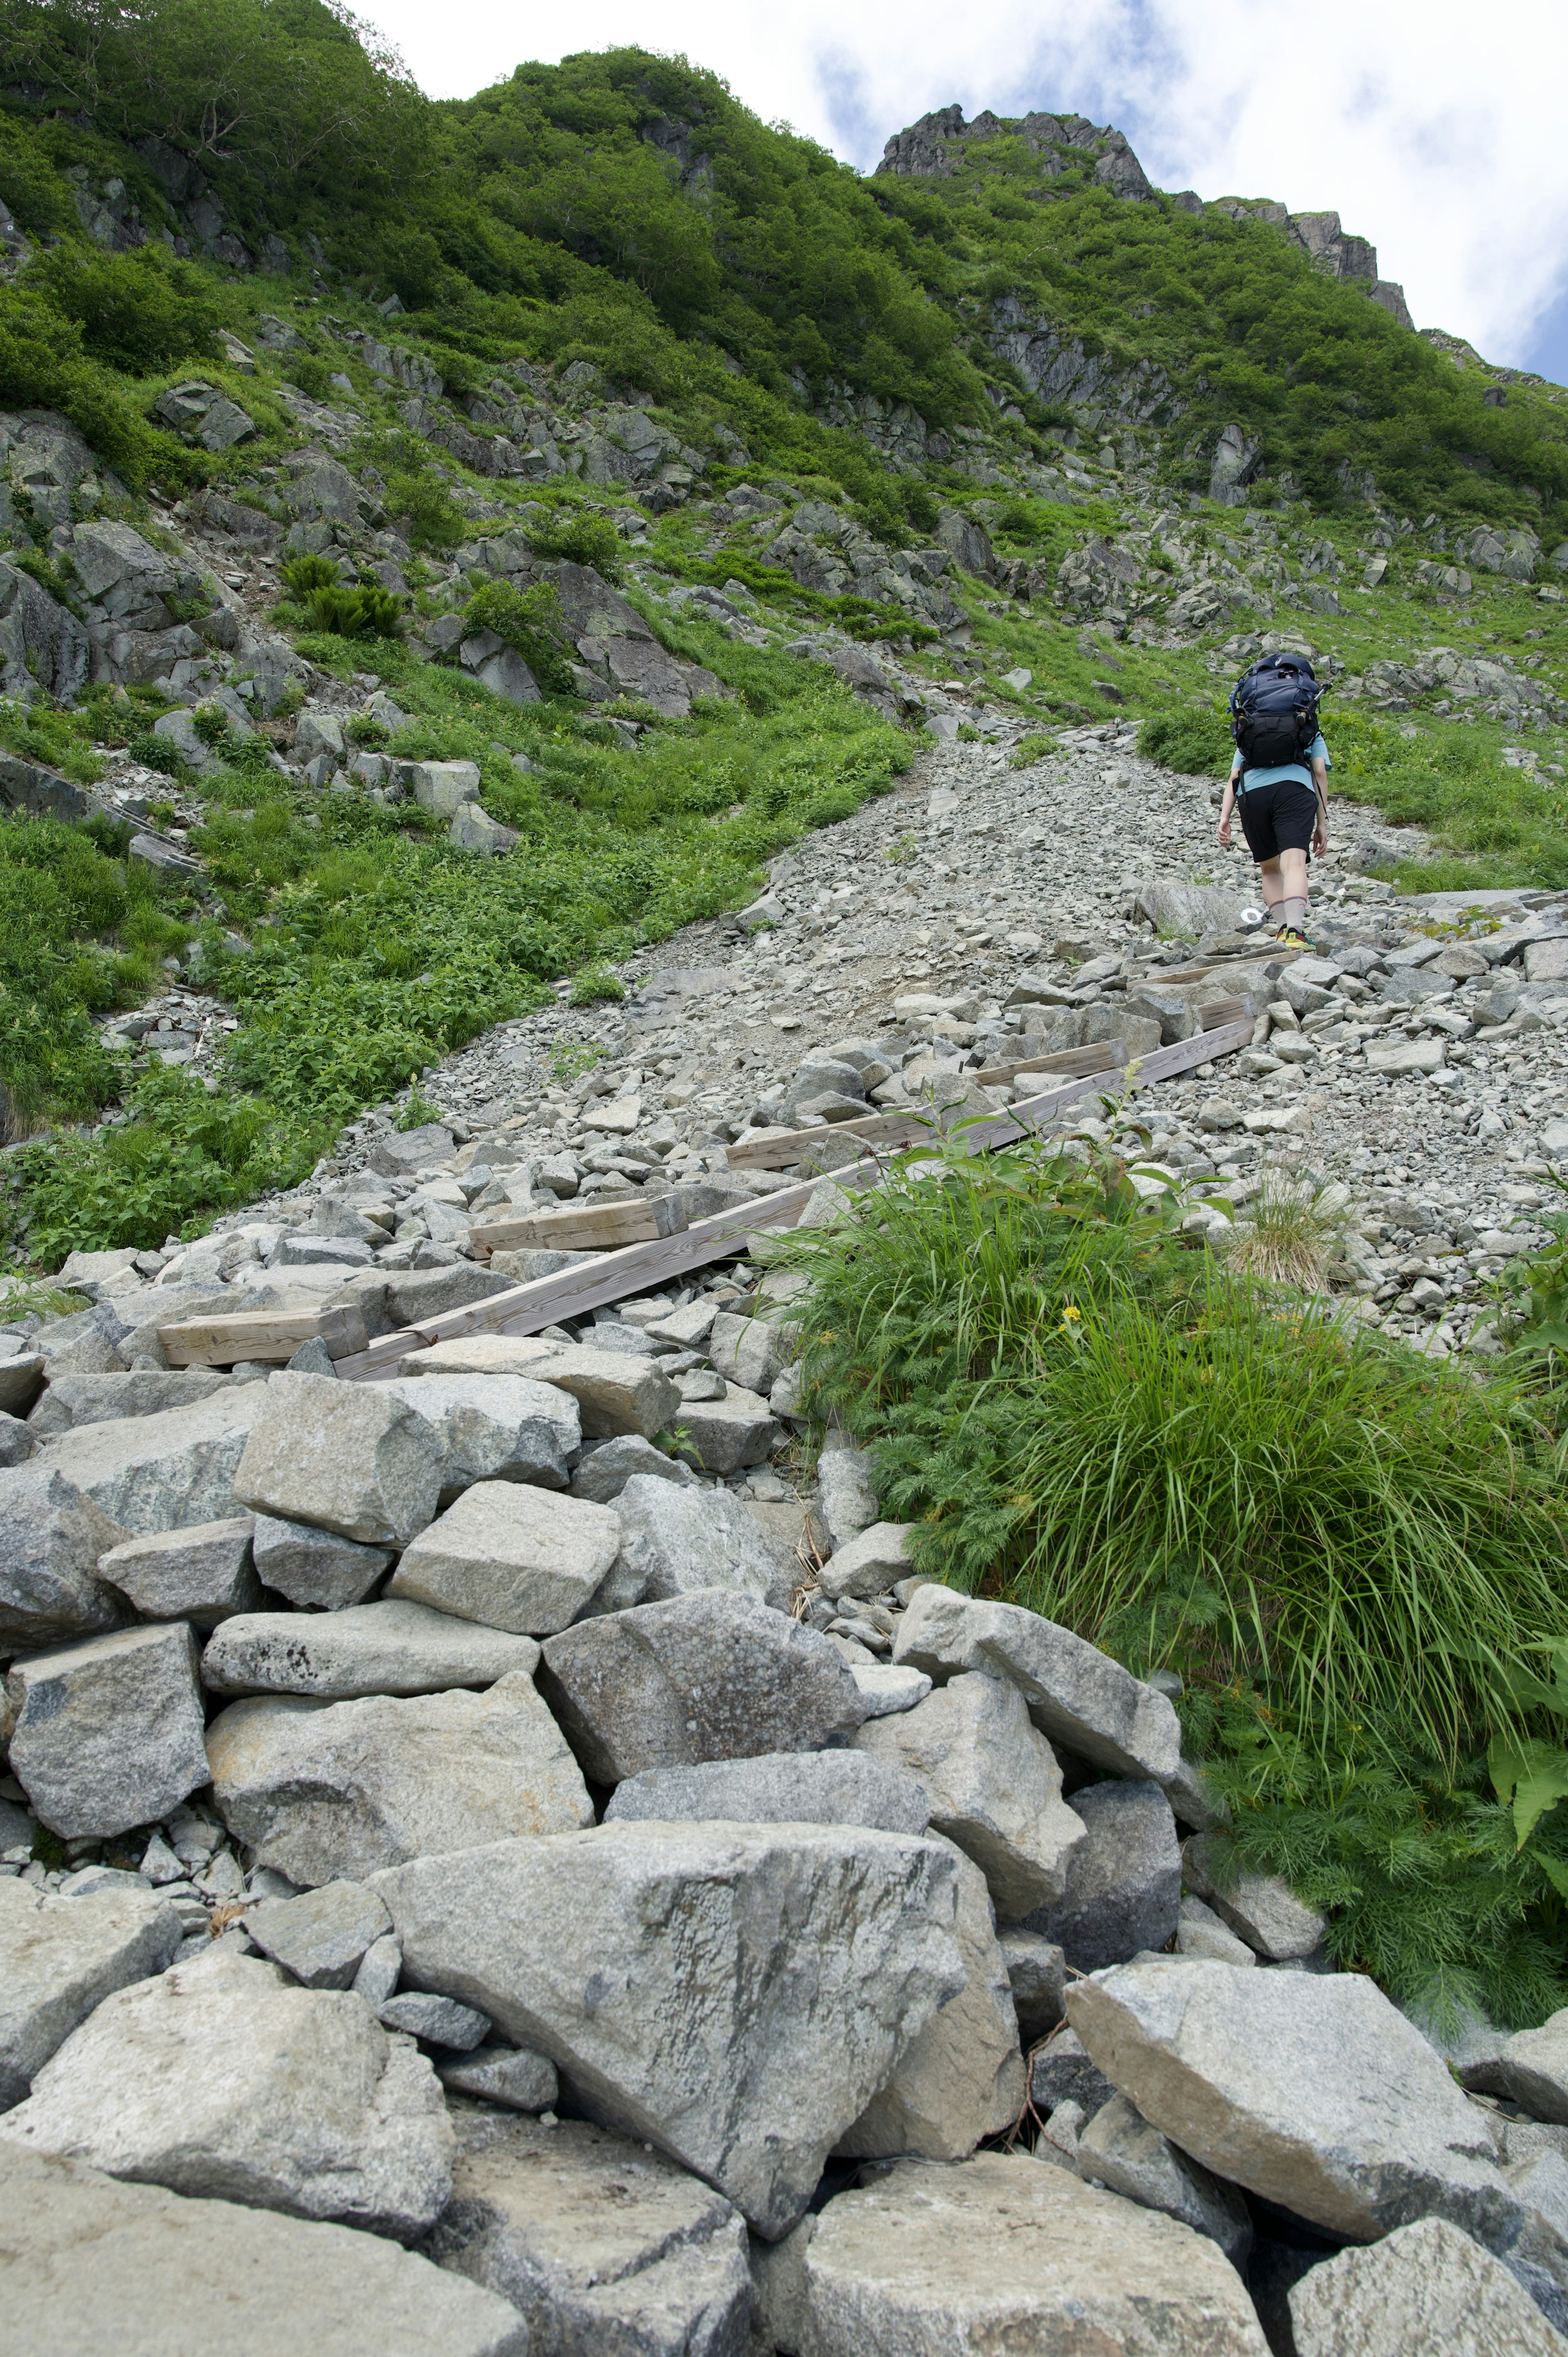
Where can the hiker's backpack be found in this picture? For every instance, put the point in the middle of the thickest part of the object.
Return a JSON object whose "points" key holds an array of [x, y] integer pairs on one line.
{"points": [[1273, 714]]}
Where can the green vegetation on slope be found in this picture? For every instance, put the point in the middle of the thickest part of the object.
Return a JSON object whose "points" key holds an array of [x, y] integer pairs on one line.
{"points": [[374, 947], [623, 207], [1323, 1534]]}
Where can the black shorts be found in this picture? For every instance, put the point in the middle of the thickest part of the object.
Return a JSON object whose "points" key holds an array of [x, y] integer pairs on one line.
{"points": [[1278, 818]]}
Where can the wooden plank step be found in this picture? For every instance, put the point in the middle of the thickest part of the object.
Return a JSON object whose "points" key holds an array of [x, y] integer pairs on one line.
{"points": [[1219, 1012], [274, 1335], [1100, 1056], [1159, 975], [586, 1227], [572, 1293]]}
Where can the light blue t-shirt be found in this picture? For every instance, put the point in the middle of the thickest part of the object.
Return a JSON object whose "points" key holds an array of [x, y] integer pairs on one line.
{"points": [[1317, 751]]}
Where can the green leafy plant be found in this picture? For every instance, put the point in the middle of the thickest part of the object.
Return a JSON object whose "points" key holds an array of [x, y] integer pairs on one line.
{"points": [[418, 1112], [139, 312], [1194, 740], [367, 612], [596, 987], [580, 536], [532, 621], [304, 577]]}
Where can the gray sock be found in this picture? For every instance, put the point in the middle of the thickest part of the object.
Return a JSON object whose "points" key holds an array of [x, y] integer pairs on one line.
{"points": [[1291, 912]]}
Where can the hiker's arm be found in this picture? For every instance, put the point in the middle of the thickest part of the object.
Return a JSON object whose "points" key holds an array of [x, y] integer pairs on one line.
{"points": [[1320, 826], [1226, 807]]}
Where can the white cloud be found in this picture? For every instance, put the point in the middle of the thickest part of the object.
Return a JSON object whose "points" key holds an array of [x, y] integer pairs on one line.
{"points": [[1433, 133]]}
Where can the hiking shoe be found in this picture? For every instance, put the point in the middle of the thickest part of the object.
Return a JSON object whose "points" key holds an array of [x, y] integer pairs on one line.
{"points": [[1291, 937]]}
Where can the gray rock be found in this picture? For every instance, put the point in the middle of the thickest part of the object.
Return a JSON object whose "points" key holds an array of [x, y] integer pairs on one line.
{"points": [[1001, 2254], [707, 1676], [515, 2076], [993, 1785], [324, 1789], [1118, 2149], [724, 1436], [51, 1541], [1196, 1804], [604, 1471], [1424, 2287], [675, 1540], [323, 1936], [1124, 1881], [352, 1458], [961, 2077], [868, 1564], [312, 1566], [812, 1788], [72, 1401], [160, 1472], [387, 1648], [380, 1969], [778, 2273], [19, 1380], [222, 2073], [1061, 2073], [511, 1557], [1076, 1695], [1533, 2069], [613, 1392], [885, 1690], [847, 1501], [17, 1443], [495, 1428], [1037, 1977], [87, 1342], [751, 1352], [834, 1946], [439, 2020], [602, 2245], [1201, 1933], [91, 2265], [400, 1153], [1261, 1909], [1312, 2091], [108, 1732], [203, 1575], [60, 1958]]}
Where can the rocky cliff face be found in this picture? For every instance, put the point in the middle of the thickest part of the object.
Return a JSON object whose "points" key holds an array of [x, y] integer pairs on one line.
{"points": [[942, 145]]}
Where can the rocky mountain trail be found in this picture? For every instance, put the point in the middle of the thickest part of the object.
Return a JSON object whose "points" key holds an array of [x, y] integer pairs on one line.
{"points": [[502, 1846], [316, 1683]]}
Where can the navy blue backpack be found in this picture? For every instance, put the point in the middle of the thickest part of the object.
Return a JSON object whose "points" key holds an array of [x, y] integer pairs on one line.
{"points": [[1274, 711]]}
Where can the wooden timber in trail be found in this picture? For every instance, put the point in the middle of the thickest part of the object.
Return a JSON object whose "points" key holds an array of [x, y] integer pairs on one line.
{"points": [[615, 1275]]}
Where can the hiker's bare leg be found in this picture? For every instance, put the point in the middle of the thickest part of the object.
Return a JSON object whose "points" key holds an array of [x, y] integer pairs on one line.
{"points": [[1283, 879]]}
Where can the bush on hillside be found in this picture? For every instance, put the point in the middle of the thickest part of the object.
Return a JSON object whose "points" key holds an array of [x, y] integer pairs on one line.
{"points": [[138, 312], [532, 621], [1193, 739]]}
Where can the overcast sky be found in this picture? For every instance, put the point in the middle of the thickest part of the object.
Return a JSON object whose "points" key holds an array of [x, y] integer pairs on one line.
{"points": [[1434, 129]]}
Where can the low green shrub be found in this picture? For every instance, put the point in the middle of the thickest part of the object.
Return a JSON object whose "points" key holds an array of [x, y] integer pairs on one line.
{"points": [[532, 621], [140, 312], [580, 536], [1073, 1402], [1196, 740]]}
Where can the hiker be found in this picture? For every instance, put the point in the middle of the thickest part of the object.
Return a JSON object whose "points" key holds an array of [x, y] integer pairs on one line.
{"points": [[1280, 779]]}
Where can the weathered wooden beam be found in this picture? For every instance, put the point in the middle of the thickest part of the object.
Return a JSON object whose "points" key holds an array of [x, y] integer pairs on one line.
{"points": [[266, 1334], [586, 1227], [525, 1308], [1099, 1055]]}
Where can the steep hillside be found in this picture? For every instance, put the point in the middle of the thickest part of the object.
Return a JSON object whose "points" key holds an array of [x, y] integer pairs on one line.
{"points": [[664, 485]]}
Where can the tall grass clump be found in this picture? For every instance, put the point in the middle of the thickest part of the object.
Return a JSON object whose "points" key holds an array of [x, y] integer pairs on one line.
{"points": [[1340, 1546], [1087, 1414]]}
